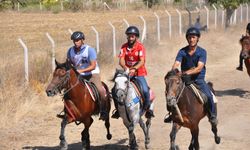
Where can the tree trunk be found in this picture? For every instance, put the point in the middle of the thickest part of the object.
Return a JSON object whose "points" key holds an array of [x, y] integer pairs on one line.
{"points": [[229, 13]]}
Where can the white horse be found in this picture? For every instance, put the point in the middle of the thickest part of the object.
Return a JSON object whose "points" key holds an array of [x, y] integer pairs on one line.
{"points": [[130, 107]]}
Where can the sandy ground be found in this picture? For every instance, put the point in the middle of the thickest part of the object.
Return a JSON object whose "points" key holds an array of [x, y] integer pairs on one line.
{"points": [[232, 89]]}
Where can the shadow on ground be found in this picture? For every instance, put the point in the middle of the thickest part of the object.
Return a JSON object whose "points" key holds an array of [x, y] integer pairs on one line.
{"points": [[75, 146], [233, 92]]}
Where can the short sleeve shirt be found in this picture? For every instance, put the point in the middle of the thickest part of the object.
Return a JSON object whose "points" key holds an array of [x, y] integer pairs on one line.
{"points": [[188, 62], [132, 56]]}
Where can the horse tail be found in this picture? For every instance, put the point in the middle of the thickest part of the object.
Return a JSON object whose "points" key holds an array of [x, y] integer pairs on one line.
{"points": [[211, 86]]}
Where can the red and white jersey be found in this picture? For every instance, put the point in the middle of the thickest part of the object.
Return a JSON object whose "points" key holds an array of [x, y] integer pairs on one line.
{"points": [[133, 56]]}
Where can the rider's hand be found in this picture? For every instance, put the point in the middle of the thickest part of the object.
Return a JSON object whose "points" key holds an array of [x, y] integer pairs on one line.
{"points": [[132, 71]]}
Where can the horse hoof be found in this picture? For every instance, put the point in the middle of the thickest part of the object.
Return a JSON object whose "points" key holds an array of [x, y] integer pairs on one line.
{"points": [[109, 136], [217, 140], [63, 145]]}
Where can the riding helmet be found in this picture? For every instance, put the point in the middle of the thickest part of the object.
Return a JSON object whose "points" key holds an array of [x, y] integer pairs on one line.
{"points": [[193, 31], [77, 35], [133, 30]]}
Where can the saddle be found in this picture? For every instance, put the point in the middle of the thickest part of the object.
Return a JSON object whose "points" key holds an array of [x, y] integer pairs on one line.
{"points": [[198, 93], [138, 87]]}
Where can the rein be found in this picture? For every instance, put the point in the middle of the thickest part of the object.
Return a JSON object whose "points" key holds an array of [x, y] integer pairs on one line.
{"points": [[71, 86]]}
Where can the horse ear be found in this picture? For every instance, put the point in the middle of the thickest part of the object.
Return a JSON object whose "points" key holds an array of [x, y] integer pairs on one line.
{"points": [[56, 62]]}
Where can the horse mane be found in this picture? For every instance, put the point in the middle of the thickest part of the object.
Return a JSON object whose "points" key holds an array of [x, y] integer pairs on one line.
{"points": [[117, 71], [67, 65], [171, 73], [245, 37]]}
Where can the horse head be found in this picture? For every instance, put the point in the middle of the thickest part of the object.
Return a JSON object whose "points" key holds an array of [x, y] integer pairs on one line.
{"points": [[121, 79], [174, 86], [245, 44], [61, 76]]}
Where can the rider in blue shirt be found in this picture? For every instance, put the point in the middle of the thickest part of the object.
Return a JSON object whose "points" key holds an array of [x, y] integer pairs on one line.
{"points": [[192, 60], [84, 59]]}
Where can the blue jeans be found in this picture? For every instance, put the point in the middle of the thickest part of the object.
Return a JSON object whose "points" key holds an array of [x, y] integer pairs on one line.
{"points": [[142, 81], [206, 90]]}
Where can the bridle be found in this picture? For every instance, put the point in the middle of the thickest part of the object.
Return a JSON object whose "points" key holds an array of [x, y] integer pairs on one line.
{"points": [[120, 90], [173, 100]]}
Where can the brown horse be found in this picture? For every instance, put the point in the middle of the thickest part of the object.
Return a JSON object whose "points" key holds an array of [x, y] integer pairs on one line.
{"points": [[187, 110], [245, 53], [79, 103]]}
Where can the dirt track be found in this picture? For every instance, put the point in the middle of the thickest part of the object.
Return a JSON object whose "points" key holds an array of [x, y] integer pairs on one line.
{"points": [[232, 89]]}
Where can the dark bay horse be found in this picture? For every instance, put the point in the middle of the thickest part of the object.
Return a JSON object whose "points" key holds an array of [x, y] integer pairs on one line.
{"points": [[245, 53], [187, 109], [79, 104], [130, 107]]}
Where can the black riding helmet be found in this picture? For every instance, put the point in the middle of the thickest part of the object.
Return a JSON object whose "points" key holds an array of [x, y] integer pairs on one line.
{"points": [[193, 31], [77, 35], [133, 30]]}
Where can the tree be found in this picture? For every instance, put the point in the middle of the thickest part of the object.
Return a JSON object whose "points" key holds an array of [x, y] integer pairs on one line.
{"points": [[229, 6]]}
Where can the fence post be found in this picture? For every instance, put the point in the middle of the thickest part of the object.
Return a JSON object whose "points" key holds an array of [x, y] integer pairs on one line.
{"points": [[26, 60], [144, 31], [40, 6], [61, 5], [126, 22], [180, 24], [247, 12], [52, 51], [97, 39], [169, 24], [235, 17], [207, 16], [158, 27], [70, 31], [222, 16], [114, 42], [215, 16], [18, 6], [241, 18]]}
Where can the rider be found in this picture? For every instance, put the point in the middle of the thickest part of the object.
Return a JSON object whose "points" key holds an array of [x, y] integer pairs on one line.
{"points": [[132, 59], [192, 60], [240, 67], [84, 58]]}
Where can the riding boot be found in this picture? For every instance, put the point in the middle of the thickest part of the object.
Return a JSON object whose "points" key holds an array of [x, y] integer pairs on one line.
{"points": [[213, 116], [115, 114], [103, 112]]}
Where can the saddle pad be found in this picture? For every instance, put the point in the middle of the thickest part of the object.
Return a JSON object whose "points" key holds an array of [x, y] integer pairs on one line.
{"points": [[197, 93]]}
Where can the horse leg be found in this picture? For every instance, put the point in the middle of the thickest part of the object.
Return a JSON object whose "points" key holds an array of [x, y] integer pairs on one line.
{"points": [[216, 137], [85, 134], [175, 129], [132, 139], [146, 131], [194, 144], [63, 143], [107, 125]]}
